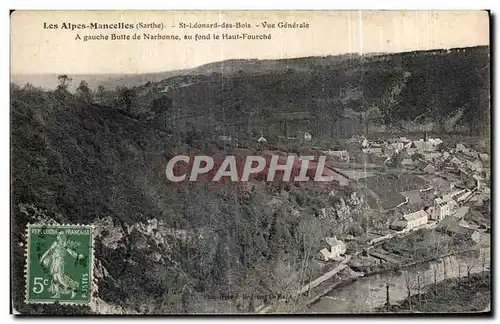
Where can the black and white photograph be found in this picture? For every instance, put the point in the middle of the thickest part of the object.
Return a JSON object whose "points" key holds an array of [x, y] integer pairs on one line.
{"points": [[277, 162]]}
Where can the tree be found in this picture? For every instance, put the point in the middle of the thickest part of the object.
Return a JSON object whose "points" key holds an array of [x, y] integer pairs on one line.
{"points": [[416, 157], [83, 91], [408, 286], [161, 104], [418, 290], [64, 82], [126, 97], [483, 259], [396, 160], [100, 92], [445, 272], [387, 298], [29, 87], [435, 282], [355, 229], [14, 87], [470, 265]]}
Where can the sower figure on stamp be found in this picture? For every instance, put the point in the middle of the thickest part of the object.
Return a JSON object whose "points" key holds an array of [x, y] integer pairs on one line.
{"points": [[53, 259]]}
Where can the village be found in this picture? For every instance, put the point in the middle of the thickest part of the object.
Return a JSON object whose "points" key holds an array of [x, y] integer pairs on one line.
{"points": [[420, 200]]}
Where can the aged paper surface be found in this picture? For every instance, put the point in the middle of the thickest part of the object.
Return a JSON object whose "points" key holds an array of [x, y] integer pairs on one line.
{"points": [[250, 162]]}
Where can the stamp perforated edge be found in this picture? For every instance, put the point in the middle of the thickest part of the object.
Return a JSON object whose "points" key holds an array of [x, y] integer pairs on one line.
{"points": [[26, 267]]}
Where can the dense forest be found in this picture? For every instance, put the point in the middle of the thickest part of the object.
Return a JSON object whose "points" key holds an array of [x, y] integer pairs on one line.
{"points": [[318, 95]]}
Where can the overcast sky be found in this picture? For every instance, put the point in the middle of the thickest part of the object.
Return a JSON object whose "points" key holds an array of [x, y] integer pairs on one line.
{"points": [[35, 50]]}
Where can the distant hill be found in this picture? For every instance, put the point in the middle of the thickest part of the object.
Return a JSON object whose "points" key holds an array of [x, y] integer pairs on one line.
{"points": [[444, 90], [441, 91], [109, 81], [228, 67]]}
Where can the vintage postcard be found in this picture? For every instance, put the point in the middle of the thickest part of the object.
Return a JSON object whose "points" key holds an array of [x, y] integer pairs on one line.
{"points": [[250, 162]]}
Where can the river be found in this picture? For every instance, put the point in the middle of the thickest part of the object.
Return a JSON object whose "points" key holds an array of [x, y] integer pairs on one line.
{"points": [[368, 293]]}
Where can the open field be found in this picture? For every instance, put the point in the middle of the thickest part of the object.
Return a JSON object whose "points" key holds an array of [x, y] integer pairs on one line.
{"points": [[387, 187]]}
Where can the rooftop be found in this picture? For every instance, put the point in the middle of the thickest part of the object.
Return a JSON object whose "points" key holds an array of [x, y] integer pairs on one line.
{"points": [[332, 241], [415, 215]]}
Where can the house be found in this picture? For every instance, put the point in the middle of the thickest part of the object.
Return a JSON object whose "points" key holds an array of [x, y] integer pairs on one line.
{"points": [[390, 151], [454, 195], [430, 210], [342, 155], [411, 151], [364, 142], [398, 146], [441, 209], [405, 141], [455, 161], [487, 174], [166, 89], [357, 139], [373, 150], [485, 158], [225, 138], [464, 196], [336, 249], [432, 155], [435, 141], [479, 181], [430, 169], [475, 165], [416, 219], [353, 139], [377, 143], [307, 137], [461, 148], [423, 146], [407, 162], [324, 255]]}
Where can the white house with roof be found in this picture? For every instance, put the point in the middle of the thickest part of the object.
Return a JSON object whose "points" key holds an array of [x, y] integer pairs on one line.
{"points": [[342, 155], [408, 162], [411, 151], [335, 250], [464, 196], [454, 195], [442, 208], [364, 142], [485, 158], [423, 146], [398, 146], [416, 219], [373, 150], [461, 148], [474, 165], [435, 141]]}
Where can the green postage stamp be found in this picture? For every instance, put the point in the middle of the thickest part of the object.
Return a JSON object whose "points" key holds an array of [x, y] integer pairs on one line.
{"points": [[59, 264]]}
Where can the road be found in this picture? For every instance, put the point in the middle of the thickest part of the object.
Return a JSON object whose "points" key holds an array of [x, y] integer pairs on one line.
{"points": [[325, 276], [314, 283]]}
